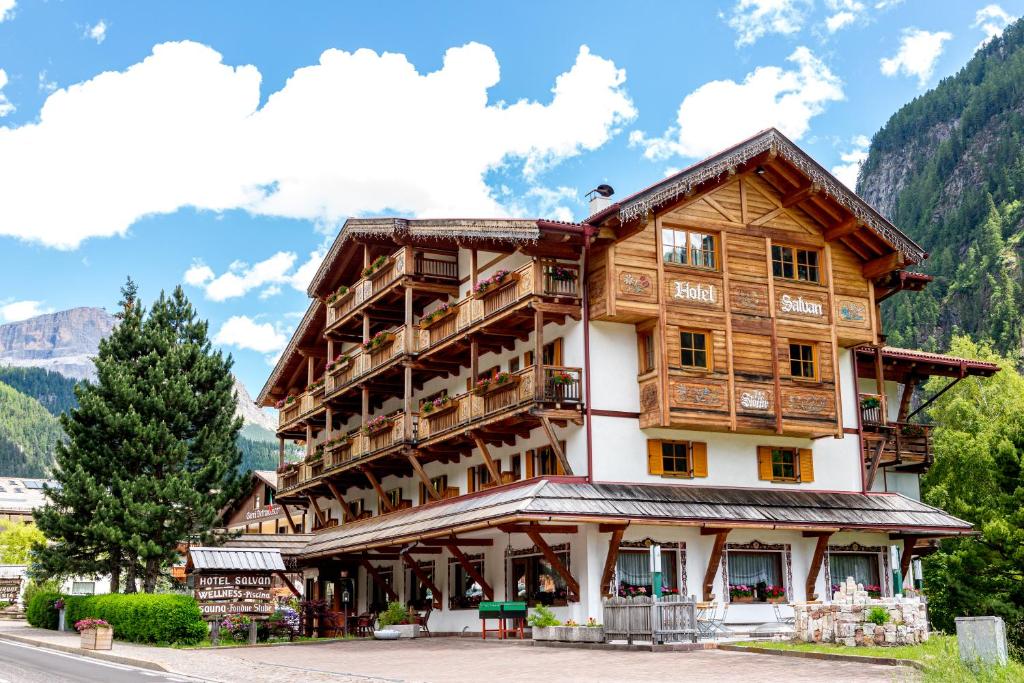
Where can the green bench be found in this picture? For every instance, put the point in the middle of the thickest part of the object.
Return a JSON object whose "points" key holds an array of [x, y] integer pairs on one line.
{"points": [[503, 612]]}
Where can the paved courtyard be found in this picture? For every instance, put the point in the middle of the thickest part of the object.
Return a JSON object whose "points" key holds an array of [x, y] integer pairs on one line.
{"points": [[468, 660]]}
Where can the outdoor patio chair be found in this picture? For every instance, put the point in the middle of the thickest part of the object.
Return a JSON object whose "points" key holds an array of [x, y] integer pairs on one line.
{"points": [[364, 624], [714, 626], [777, 608], [705, 617], [422, 618]]}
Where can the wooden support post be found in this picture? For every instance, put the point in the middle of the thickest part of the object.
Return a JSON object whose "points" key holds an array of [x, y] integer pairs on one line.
{"points": [[908, 394], [288, 516], [880, 385], [775, 337], [407, 426], [346, 511], [473, 270], [329, 423], [907, 555], [409, 293], [309, 440], [556, 447], [366, 327], [488, 461], [384, 500], [538, 354], [366, 403], [875, 459], [418, 468], [423, 578], [820, 546], [556, 563], [310, 369], [366, 255], [727, 297], [379, 580], [287, 582], [471, 570], [280, 451], [714, 561], [610, 560], [474, 361], [316, 509]]}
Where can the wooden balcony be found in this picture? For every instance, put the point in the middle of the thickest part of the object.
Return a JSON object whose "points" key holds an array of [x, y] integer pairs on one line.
{"points": [[902, 445], [872, 410], [431, 270], [363, 362], [555, 282], [301, 407]]}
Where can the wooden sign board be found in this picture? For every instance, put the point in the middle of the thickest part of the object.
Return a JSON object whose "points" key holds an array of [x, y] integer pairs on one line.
{"points": [[10, 588], [233, 580], [232, 593], [222, 609]]}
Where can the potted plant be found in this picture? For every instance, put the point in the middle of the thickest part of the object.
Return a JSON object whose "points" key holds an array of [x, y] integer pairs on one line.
{"points": [[339, 363], [377, 264], [96, 634], [494, 282], [378, 340], [437, 315], [740, 592], [562, 274], [542, 622], [337, 295], [396, 619], [376, 425], [870, 402], [774, 593], [439, 406], [498, 380]]}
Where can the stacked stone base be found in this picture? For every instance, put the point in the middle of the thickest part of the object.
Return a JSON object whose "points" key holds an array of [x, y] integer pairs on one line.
{"points": [[845, 620]]}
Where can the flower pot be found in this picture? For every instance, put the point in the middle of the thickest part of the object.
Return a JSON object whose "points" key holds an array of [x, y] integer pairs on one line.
{"points": [[406, 630], [426, 325], [498, 286], [569, 634], [97, 638], [741, 599], [387, 634], [443, 410], [492, 387]]}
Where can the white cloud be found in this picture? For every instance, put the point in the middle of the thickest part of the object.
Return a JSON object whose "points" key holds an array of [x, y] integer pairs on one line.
{"points": [[356, 133], [243, 332], [45, 84], [97, 31], [721, 113], [844, 13], [272, 290], [7, 9], [991, 19], [887, 4], [839, 20], [754, 19], [198, 274], [5, 105], [241, 277], [847, 171], [918, 53], [12, 311]]}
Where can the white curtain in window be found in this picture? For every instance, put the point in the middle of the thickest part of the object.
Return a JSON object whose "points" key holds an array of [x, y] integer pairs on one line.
{"points": [[862, 567], [634, 568], [753, 568]]}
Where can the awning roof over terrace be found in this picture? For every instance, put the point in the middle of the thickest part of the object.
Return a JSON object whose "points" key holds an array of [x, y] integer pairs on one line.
{"points": [[568, 501]]}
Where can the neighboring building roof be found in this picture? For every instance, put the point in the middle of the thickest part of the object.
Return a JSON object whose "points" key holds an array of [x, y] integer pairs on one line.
{"points": [[567, 501], [287, 544], [268, 476], [234, 559], [18, 494], [676, 187]]}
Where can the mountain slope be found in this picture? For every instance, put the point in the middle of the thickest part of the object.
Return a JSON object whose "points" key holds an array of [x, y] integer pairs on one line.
{"points": [[64, 342], [28, 435], [948, 169], [55, 391]]}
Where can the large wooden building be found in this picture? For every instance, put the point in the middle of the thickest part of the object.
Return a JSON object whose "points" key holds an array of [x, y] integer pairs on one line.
{"points": [[503, 409]]}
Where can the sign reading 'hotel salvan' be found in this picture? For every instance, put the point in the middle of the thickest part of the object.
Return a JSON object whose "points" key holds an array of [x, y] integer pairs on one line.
{"points": [[799, 305], [10, 588]]}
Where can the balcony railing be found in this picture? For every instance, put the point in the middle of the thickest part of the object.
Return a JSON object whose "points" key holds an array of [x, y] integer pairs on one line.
{"points": [[904, 444], [404, 261], [872, 409], [302, 405], [543, 278], [397, 343]]}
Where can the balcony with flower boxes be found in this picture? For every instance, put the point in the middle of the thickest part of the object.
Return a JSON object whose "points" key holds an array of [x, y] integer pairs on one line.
{"points": [[433, 274], [504, 304], [379, 352], [294, 410], [903, 445]]}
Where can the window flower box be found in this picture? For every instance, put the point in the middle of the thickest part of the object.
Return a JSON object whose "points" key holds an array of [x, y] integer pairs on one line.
{"points": [[377, 425], [378, 341], [496, 382], [740, 592], [562, 274], [431, 319], [374, 267], [341, 362], [338, 296], [498, 281], [96, 634], [441, 405]]}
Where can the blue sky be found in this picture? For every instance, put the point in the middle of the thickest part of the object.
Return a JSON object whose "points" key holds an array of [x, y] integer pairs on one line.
{"points": [[221, 145]]}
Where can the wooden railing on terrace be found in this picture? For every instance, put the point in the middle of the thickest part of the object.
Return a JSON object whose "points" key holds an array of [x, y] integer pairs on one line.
{"points": [[541, 277], [361, 361], [302, 405], [872, 409]]}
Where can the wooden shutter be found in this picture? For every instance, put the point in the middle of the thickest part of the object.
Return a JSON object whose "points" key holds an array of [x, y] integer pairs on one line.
{"points": [[558, 463], [528, 456], [806, 465], [557, 351], [470, 487], [764, 463], [699, 459], [655, 463], [528, 359]]}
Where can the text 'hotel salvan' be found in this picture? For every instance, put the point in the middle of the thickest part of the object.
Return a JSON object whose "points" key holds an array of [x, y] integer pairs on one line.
{"points": [[517, 409]]}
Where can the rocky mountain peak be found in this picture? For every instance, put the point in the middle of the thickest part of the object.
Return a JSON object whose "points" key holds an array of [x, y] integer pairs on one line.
{"points": [[63, 342]]}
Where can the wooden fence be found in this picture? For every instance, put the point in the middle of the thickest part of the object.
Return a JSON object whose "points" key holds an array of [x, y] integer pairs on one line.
{"points": [[672, 619]]}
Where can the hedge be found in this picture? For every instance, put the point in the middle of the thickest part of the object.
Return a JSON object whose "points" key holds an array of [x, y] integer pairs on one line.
{"points": [[40, 611], [143, 618]]}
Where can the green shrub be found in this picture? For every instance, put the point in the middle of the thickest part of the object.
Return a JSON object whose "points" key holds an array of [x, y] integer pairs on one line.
{"points": [[542, 616], [144, 618], [879, 616], [33, 587], [40, 611], [394, 614]]}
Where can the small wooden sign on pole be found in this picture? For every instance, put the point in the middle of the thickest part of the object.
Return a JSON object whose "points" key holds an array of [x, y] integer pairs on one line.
{"points": [[10, 588]]}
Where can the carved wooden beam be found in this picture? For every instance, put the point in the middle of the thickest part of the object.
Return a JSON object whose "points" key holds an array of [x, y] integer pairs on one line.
{"points": [[385, 501], [423, 578], [873, 468], [556, 447], [812, 572], [379, 580], [907, 555], [288, 516], [842, 229], [713, 562], [556, 563], [316, 509], [488, 461], [610, 560], [418, 468], [346, 511], [546, 528], [471, 570], [882, 265]]}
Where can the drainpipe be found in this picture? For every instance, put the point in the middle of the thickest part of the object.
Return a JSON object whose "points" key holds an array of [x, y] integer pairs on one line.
{"points": [[587, 233]]}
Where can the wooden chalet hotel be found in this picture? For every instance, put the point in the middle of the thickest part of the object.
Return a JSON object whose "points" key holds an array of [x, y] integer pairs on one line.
{"points": [[516, 409]]}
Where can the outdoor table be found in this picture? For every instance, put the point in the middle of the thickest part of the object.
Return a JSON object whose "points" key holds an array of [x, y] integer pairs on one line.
{"points": [[706, 619], [505, 613]]}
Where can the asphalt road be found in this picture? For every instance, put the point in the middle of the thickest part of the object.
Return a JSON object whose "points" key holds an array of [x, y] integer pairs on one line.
{"points": [[28, 664]]}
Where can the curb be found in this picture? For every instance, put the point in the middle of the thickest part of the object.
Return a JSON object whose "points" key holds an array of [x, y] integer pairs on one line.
{"points": [[116, 659], [317, 641], [807, 654], [624, 647]]}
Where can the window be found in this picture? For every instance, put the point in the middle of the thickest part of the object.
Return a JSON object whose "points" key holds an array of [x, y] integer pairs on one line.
{"points": [[378, 596], [543, 462], [803, 361], [552, 354], [693, 350], [755, 576], [478, 476], [783, 464], [677, 458], [356, 507], [534, 580], [633, 570], [464, 592], [646, 347], [513, 364], [517, 467], [863, 567], [690, 248], [419, 596], [440, 484], [394, 496], [83, 588], [796, 264]]}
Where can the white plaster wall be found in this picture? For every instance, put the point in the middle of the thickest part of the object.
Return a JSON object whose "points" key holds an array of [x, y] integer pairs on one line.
{"points": [[620, 455], [613, 367], [907, 483]]}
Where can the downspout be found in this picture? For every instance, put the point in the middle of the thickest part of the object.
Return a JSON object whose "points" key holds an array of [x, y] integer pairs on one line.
{"points": [[587, 233]]}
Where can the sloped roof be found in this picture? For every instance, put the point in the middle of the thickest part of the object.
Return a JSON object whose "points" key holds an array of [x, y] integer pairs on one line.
{"points": [[681, 504], [18, 494], [286, 544], [289, 350], [234, 559], [676, 187]]}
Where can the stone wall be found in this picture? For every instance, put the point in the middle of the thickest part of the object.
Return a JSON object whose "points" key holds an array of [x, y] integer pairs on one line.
{"points": [[845, 619]]}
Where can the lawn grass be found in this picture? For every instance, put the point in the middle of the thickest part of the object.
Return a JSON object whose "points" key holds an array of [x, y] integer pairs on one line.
{"points": [[940, 656]]}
